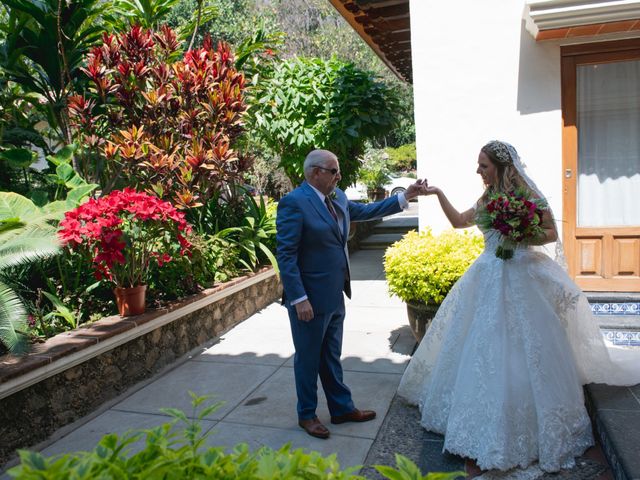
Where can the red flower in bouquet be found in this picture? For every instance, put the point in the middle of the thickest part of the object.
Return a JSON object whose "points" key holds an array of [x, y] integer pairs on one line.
{"points": [[123, 232], [516, 216]]}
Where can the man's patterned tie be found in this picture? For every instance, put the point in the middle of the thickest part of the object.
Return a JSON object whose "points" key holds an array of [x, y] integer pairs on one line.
{"points": [[332, 210]]}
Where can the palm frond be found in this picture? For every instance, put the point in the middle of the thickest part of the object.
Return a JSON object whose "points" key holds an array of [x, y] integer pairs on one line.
{"points": [[20, 217], [25, 249], [13, 319]]}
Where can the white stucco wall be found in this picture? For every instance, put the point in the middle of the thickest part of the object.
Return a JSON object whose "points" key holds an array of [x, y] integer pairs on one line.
{"points": [[479, 75]]}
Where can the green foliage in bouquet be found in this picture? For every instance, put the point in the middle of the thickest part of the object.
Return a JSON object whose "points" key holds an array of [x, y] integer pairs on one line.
{"points": [[423, 267], [517, 216], [178, 450]]}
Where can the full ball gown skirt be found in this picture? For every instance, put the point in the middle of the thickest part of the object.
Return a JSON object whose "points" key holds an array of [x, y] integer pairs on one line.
{"points": [[500, 370]]}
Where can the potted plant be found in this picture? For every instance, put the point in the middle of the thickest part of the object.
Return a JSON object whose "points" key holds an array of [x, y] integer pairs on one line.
{"points": [[374, 173], [422, 267], [122, 233]]}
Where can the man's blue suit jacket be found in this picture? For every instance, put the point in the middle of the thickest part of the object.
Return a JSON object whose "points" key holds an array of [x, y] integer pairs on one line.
{"points": [[312, 253]]}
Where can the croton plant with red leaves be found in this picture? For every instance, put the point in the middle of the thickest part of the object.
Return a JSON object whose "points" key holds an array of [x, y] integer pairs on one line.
{"points": [[165, 126], [123, 232]]}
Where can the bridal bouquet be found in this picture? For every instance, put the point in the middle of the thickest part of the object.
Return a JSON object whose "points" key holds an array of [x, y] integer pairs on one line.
{"points": [[516, 215]]}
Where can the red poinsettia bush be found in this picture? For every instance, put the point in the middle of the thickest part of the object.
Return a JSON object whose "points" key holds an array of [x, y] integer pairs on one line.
{"points": [[124, 232]]}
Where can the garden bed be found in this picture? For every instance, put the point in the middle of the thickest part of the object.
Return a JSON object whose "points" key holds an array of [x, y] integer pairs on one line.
{"points": [[73, 373]]}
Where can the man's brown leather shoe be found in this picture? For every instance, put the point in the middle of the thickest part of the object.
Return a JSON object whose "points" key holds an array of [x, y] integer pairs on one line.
{"points": [[314, 428], [355, 416]]}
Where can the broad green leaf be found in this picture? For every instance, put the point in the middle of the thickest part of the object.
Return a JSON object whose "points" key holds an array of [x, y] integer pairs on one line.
{"points": [[65, 172], [67, 175], [13, 205], [77, 195], [63, 156], [56, 209], [39, 197], [18, 157]]}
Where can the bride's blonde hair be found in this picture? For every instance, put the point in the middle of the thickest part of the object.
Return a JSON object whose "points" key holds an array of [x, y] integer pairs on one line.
{"points": [[508, 177]]}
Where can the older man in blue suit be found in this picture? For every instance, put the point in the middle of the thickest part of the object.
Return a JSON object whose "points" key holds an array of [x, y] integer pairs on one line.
{"points": [[312, 229]]}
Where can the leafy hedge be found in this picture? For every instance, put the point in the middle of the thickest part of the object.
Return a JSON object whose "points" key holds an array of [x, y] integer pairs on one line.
{"points": [[423, 267]]}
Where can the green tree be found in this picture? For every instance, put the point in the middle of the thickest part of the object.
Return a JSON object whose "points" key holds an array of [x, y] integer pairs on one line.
{"points": [[312, 103], [405, 130], [314, 28], [231, 21]]}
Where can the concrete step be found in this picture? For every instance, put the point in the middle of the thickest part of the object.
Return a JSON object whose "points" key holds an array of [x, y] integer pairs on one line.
{"points": [[618, 315], [620, 330], [619, 321], [615, 298], [618, 337], [397, 225], [615, 412], [379, 241], [400, 229]]}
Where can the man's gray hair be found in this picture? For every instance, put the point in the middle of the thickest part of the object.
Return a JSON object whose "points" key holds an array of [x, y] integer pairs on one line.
{"points": [[316, 158]]}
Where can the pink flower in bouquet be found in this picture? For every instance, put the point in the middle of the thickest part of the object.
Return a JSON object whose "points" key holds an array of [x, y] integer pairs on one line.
{"points": [[123, 232]]}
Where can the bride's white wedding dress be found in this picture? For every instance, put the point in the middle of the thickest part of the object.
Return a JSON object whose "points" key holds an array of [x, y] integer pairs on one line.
{"points": [[501, 368]]}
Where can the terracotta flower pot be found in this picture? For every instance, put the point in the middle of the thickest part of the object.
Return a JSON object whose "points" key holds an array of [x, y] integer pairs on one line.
{"points": [[131, 300], [376, 194], [420, 316]]}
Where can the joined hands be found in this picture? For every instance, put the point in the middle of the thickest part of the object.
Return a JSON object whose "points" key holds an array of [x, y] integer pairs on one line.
{"points": [[420, 187]]}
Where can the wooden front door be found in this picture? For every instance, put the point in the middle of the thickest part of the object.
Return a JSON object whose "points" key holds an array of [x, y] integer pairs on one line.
{"points": [[601, 164]]}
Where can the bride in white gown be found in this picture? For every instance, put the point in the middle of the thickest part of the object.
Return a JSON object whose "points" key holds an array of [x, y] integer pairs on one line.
{"points": [[500, 370]]}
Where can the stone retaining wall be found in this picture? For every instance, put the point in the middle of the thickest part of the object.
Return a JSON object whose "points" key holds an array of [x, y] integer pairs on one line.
{"points": [[73, 373]]}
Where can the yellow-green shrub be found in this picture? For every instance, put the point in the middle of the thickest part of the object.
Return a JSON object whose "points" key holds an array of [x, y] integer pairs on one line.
{"points": [[423, 267]]}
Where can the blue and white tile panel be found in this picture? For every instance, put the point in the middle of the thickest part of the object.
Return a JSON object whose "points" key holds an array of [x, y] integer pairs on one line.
{"points": [[616, 308], [621, 338]]}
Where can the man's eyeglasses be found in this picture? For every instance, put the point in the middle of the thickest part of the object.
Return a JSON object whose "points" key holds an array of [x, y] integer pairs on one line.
{"points": [[332, 171]]}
